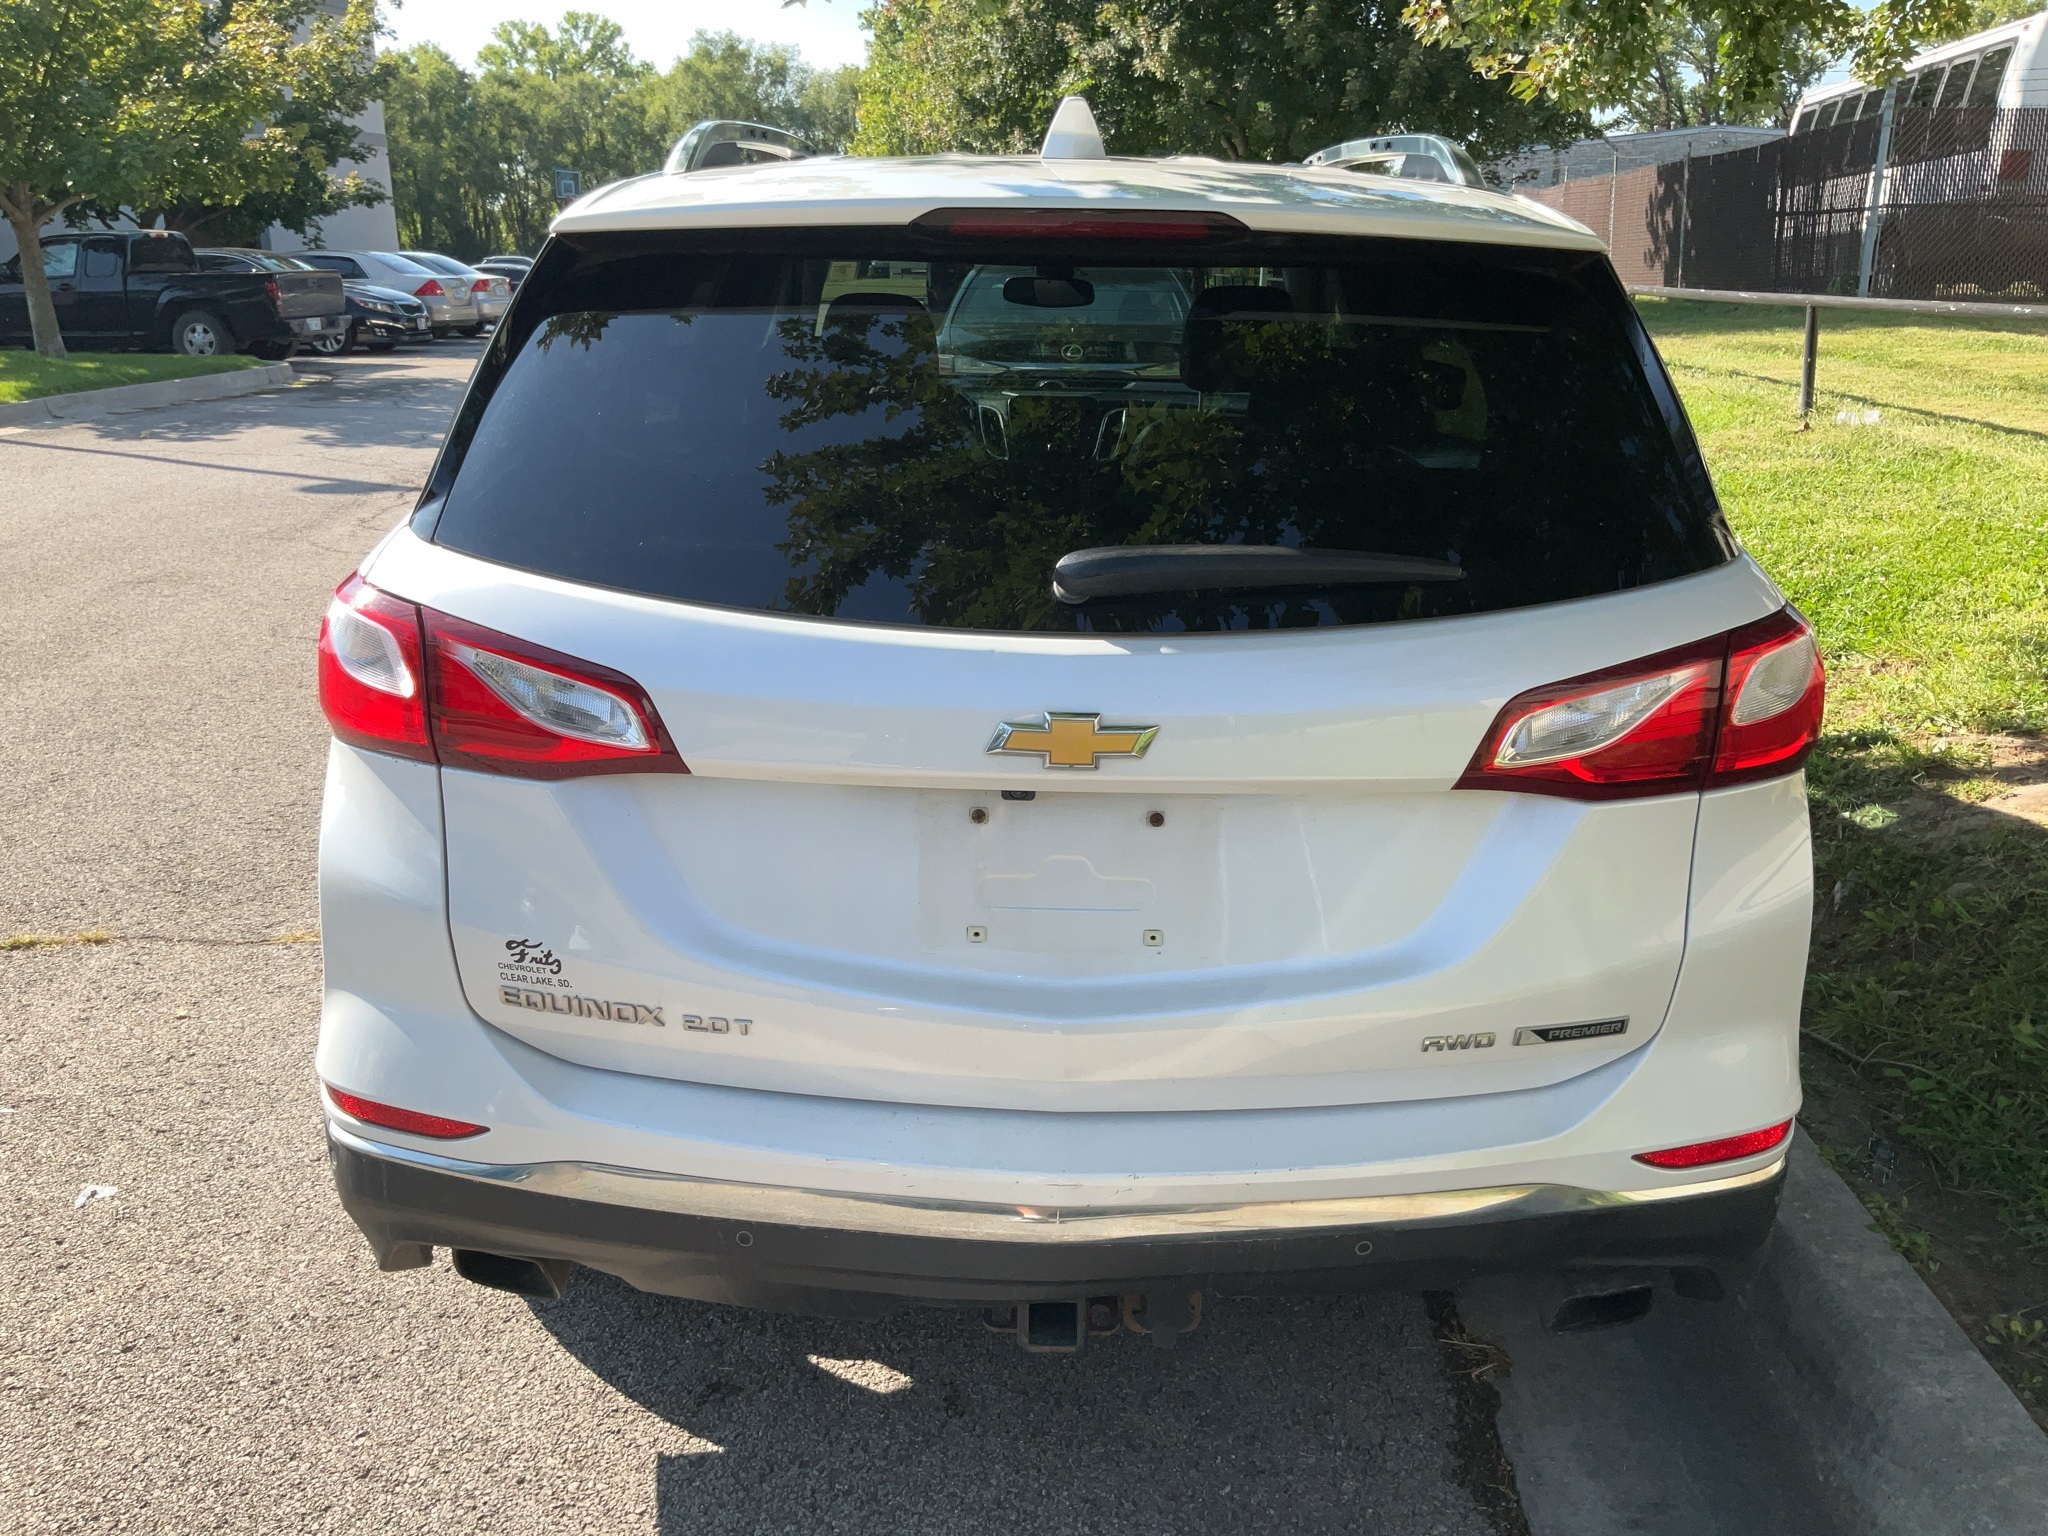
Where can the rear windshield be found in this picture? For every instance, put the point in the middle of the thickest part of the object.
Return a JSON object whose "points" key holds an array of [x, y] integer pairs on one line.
{"points": [[916, 433]]}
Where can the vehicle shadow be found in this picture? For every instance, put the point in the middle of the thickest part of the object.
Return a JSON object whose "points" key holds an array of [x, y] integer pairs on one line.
{"points": [[1312, 1415], [404, 399]]}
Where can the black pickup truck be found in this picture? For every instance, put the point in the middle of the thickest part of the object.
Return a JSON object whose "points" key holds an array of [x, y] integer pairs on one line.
{"points": [[145, 290]]}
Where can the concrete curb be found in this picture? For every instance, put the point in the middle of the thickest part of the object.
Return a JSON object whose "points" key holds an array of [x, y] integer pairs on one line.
{"points": [[88, 403], [1907, 1423], [1834, 1397]]}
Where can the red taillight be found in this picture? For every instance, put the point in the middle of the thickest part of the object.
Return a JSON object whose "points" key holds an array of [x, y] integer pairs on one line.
{"points": [[372, 685], [481, 285], [275, 293], [410, 681], [1776, 690], [1726, 1150], [430, 289], [370, 1112], [505, 706], [1077, 224], [1738, 706]]}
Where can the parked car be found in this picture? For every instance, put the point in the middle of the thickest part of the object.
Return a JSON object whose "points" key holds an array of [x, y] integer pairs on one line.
{"points": [[1314, 803], [148, 290], [379, 319], [450, 306], [493, 294], [512, 268]]}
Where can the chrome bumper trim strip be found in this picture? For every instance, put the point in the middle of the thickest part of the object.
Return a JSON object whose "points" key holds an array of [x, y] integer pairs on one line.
{"points": [[682, 1195]]}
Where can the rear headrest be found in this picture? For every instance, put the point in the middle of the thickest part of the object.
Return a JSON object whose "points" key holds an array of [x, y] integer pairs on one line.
{"points": [[1208, 353]]}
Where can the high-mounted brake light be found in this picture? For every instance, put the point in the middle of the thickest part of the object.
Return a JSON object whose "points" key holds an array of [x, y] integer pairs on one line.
{"points": [[417, 683], [1726, 710], [372, 685], [1699, 1153], [430, 289], [370, 1112], [1065, 224]]}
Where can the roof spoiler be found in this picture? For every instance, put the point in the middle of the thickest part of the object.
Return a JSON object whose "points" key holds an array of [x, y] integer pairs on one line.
{"points": [[719, 141], [1412, 156]]}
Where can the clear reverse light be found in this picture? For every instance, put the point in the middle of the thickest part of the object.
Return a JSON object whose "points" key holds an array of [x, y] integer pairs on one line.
{"points": [[1776, 683], [368, 652], [1585, 724], [557, 703]]}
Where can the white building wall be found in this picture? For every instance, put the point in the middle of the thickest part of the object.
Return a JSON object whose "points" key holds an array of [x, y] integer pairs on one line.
{"points": [[374, 228]]}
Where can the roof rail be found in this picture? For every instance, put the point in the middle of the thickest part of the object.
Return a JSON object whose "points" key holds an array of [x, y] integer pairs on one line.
{"points": [[722, 141], [1415, 156]]}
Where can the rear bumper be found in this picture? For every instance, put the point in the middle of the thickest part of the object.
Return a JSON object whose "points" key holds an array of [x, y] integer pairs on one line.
{"points": [[793, 1251]]}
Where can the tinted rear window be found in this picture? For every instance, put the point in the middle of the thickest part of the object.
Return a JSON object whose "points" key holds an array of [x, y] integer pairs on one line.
{"points": [[892, 430]]}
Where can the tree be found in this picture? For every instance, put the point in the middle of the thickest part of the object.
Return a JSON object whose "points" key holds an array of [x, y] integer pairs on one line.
{"points": [[113, 105], [473, 155], [1242, 79], [447, 179], [1982, 14], [69, 70], [1597, 53], [317, 72], [724, 75], [1687, 85]]}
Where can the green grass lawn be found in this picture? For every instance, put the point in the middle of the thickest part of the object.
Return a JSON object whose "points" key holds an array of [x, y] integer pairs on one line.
{"points": [[24, 376], [1918, 545]]}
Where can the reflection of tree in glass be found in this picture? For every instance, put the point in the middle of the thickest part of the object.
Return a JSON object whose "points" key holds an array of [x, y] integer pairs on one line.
{"points": [[1300, 431], [581, 328]]}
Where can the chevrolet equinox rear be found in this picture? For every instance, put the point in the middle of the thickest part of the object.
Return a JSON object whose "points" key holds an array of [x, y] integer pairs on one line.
{"points": [[1058, 735]]}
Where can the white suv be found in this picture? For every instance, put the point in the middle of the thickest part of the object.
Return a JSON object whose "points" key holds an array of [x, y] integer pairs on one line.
{"points": [[830, 809]]}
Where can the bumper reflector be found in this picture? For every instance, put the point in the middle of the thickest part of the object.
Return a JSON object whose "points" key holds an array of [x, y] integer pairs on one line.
{"points": [[1727, 1149], [370, 1112]]}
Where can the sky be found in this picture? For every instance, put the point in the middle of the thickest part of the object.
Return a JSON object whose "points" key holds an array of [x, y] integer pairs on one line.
{"points": [[827, 32]]}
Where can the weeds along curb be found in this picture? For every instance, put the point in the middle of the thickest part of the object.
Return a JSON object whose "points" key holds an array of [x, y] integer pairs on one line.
{"points": [[1908, 1425], [86, 403]]}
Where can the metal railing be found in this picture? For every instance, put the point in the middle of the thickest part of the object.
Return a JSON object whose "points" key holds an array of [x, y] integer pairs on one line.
{"points": [[1814, 303]]}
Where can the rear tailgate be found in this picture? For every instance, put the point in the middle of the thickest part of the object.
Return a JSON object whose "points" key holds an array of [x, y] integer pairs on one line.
{"points": [[304, 295], [1282, 903], [817, 502]]}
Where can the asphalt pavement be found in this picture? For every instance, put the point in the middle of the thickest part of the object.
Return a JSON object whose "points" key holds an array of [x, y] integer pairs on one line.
{"points": [[209, 1347]]}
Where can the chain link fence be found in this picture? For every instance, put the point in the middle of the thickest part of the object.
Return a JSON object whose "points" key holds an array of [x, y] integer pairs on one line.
{"points": [[1911, 203]]}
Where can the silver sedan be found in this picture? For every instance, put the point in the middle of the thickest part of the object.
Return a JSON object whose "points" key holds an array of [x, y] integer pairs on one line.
{"points": [[492, 293]]}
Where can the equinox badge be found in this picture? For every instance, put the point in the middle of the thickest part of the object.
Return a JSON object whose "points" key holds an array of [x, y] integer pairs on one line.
{"points": [[1067, 740]]}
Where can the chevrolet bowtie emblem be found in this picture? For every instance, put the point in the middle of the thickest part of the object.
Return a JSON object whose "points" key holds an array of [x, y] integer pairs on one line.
{"points": [[1070, 740]]}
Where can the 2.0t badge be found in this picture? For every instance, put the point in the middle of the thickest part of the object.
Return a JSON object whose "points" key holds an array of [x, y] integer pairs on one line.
{"points": [[1064, 739]]}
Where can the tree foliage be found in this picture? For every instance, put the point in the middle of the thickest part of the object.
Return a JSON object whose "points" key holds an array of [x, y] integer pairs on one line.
{"points": [[1982, 14], [1241, 79], [153, 106], [1601, 53], [473, 154], [1688, 87]]}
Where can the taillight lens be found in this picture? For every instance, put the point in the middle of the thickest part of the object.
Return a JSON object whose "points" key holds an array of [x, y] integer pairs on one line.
{"points": [[1776, 691], [417, 683], [272, 291], [1738, 706], [430, 289], [372, 686], [370, 1112], [1728, 1148], [481, 285], [505, 706]]}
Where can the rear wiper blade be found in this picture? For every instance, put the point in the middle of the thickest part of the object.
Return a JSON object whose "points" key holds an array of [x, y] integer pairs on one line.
{"points": [[1127, 570]]}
